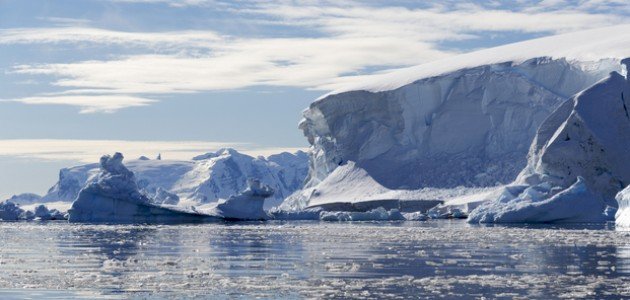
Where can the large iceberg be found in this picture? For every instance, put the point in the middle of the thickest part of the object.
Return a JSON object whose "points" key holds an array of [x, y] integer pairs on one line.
{"points": [[114, 196], [463, 121], [622, 218], [579, 161], [204, 179]]}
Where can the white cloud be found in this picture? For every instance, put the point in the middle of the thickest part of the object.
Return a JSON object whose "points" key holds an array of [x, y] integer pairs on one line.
{"points": [[169, 39], [89, 151], [350, 38], [88, 103]]}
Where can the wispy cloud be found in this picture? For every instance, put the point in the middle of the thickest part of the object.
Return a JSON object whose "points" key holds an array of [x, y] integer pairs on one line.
{"points": [[88, 103], [345, 38], [89, 151]]}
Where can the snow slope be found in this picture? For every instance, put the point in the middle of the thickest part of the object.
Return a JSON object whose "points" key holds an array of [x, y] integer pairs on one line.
{"points": [[464, 121], [580, 159], [623, 214], [205, 179]]}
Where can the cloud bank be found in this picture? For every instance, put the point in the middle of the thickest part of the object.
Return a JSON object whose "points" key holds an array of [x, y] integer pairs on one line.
{"points": [[332, 43]]}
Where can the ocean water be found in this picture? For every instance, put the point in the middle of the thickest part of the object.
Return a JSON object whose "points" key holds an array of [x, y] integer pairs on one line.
{"points": [[292, 260]]}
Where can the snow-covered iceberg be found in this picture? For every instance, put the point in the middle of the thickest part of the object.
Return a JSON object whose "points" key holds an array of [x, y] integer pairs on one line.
{"points": [[622, 218], [579, 161], [114, 196], [204, 179], [464, 121]]}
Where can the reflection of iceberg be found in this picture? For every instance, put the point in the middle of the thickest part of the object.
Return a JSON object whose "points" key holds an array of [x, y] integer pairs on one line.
{"points": [[579, 160], [113, 196]]}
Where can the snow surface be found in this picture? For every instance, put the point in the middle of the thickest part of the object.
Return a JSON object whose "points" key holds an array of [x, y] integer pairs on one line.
{"points": [[580, 159], [622, 218], [464, 121], [205, 179]]}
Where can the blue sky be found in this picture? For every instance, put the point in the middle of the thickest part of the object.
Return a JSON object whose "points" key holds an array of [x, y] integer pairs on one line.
{"points": [[80, 78]]}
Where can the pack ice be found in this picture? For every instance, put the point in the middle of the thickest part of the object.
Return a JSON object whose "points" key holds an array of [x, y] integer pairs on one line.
{"points": [[465, 122], [580, 159], [113, 195], [205, 179]]}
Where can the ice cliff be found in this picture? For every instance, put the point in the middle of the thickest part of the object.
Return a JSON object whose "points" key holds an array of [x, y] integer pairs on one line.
{"points": [[623, 214], [464, 121], [579, 161], [205, 179]]}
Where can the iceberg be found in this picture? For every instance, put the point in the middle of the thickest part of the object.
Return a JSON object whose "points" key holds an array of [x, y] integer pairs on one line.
{"points": [[248, 205], [25, 198], [622, 218], [203, 180], [579, 161], [463, 122], [10, 211], [114, 196]]}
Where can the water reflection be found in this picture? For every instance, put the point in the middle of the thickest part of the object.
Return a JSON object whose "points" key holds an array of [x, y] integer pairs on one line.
{"points": [[313, 259]]}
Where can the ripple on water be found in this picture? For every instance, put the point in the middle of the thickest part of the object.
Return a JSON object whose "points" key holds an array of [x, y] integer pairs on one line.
{"points": [[312, 259]]}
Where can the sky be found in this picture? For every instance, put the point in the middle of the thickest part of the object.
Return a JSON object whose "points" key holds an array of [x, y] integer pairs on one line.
{"points": [[83, 78]]}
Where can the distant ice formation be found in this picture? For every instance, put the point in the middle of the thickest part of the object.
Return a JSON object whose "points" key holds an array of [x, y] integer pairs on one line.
{"points": [[205, 179], [114, 196]]}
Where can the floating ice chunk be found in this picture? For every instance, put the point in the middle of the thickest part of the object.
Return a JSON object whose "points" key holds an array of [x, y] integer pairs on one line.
{"points": [[415, 216], [622, 218], [378, 214], [43, 213], [248, 205], [574, 204], [10, 211]]}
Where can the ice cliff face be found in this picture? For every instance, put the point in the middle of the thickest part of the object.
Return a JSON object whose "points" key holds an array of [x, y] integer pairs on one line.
{"points": [[622, 218], [471, 127], [205, 179], [467, 120], [579, 161]]}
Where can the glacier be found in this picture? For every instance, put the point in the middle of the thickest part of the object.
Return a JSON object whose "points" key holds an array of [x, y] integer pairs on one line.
{"points": [[205, 179], [465, 123], [579, 161]]}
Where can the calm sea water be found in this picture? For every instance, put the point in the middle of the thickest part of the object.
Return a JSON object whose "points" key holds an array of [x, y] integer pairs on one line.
{"points": [[435, 259]]}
